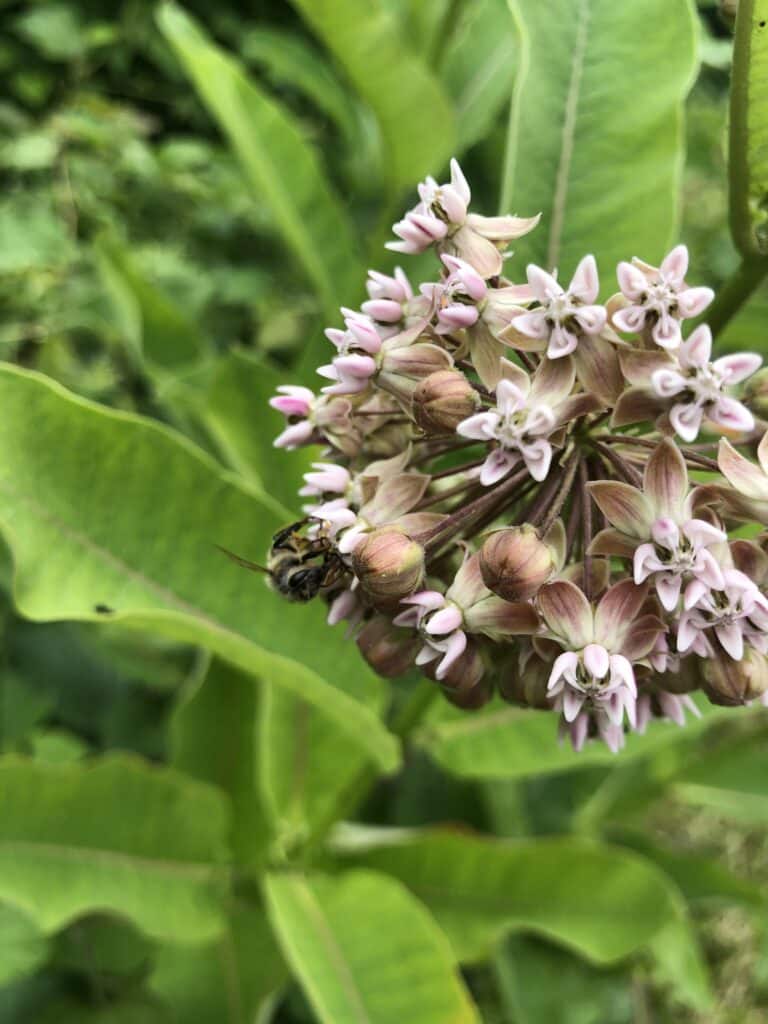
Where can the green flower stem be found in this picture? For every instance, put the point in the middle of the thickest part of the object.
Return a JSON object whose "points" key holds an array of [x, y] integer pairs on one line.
{"points": [[736, 290], [738, 138]]}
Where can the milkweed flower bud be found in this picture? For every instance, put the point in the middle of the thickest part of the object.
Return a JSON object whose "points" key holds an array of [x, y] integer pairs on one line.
{"points": [[388, 650], [516, 563], [389, 565], [443, 400], [730, 683]]}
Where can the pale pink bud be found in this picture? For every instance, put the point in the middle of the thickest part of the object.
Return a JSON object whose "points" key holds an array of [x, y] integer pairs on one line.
{"points": [[732, 683], [389, 565], [388, 650], [515, 563], [443, 400]]}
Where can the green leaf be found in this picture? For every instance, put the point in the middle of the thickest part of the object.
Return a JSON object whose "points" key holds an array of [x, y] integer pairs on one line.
{"points": [[748, 148], [213, 739], [479, 67], [291, 61], [678, 961], [23, 947], [226, 981], [129, 515], [153, 326], [507, 742], [54, 30], [283, 170], [730, 779], [601, 901], [238, 417], [540, 982], [595, 135], [365, 951], [414, 115], [115, 835]]}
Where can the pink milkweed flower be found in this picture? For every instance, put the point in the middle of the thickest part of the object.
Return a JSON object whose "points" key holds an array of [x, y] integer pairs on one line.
{"points": [[675, 549], [325, 478], [388, 296], [701, 385], [659, 297], [351, 373], [594, 673], [456, 300], [295, 403], [526, 413], [441, 218], [737, 609], [563, 314], [467, 607], [663, 705]]}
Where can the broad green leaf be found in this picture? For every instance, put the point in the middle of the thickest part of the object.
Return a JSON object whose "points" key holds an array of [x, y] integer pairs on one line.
{"points": [[243, 426], [507, 742], [595, 134], [731, 780], [541, 982], [306, 767], [599, 900], [478, 67], [748, 156], [129, 515], [223, 982], [114, 835], [414, 114], [283, 170], [365, 951], [213, 738], [23, 947], [292, 62], [132, 1010], [153, 326], [678, 961]]}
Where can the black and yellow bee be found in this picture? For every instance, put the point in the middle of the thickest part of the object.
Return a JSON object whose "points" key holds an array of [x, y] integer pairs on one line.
{"points": [[299, 567]]}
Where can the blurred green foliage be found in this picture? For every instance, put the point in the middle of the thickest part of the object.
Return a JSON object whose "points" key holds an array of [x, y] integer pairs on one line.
{"points": [[185, 202]]}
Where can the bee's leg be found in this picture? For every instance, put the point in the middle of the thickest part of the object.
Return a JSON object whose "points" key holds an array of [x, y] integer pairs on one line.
{"points": [[279, 539]]}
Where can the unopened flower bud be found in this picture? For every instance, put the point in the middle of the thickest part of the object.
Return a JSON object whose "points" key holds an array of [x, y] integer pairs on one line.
{"points": [[464, 684], [389, 565], [388, 650], [442, 400], [515, 563], [731, 683], [756, 393]]}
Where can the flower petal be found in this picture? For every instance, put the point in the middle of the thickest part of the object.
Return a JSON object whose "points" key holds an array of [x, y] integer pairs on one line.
{"points": [[585, 283], [566, 612], [665, 479]]}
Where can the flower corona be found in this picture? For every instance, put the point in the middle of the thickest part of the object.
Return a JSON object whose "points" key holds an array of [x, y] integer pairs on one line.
{"points": [[529, 491]]}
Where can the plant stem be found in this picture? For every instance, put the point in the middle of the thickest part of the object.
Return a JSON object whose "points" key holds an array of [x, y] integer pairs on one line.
{"points": [[624, 470], [586, 521], [562, 493], [735, 292]]}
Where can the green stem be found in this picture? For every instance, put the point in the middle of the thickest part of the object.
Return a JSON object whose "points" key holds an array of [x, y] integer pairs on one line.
{"points": [[735, 292], [738, 138]]}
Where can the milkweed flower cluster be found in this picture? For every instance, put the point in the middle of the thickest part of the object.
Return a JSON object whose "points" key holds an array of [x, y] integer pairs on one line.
{"points": [[529, 491]]}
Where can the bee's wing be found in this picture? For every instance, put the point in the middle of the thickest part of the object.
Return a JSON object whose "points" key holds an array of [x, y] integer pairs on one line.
{"points": [[253, 566]]}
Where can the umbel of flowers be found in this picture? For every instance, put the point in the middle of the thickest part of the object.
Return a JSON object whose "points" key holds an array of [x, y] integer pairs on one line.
{"points": [[524, 491]]}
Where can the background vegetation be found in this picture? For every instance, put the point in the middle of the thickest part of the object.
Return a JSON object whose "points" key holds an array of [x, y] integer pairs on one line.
{"points": [[188, 197]]}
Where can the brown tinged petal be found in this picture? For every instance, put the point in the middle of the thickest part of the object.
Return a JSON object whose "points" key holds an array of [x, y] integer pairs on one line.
{"points": [[642, 635], [598, 369], [567, 613], [747, 478], [613, 544], [395, 496], [442, 400], [636, 405], [639, 365], [497, 619], [750, 559], [388, 650], [625, 507], [515, 563], [665, 480], [487, 352], [389, 565], [731, 683], [616, 612]]}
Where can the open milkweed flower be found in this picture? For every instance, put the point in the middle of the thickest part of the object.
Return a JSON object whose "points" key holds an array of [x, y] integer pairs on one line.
{"points": [[594, 677], [738, 608], [656, 528], [388, 296], [697, 387], [442, 218], [563, 315], [527, 412], [659, 298], [467, 607]]}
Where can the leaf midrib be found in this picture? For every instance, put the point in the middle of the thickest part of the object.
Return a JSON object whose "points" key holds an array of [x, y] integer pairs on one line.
{"points": [[195, 870]]}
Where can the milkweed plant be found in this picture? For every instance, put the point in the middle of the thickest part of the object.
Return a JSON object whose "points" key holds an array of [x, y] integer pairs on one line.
{"points": [[536, 494]]}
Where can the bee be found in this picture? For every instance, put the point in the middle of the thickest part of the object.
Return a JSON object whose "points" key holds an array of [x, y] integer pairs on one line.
{"points": [[299, 567]]}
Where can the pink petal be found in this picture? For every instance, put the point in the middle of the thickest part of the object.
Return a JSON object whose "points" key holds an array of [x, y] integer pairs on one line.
{"points": [[564, 668], [596, 660], [675, 265], [537, 458], [585, 283], [666, 332], [295, 435], [631, 319], [731, 637], [444, 621], [694, 592], [496, 466], [561, 342], [573, 701], [668, 589], [632, 281], [543, 285], [737, 367], [667, 383], [480, 427], [696, 351], [459, 182], [692, 301], [429, 599], [592, 319], [458, 316], [686, 421], [533, 325], [385, 310], [672, 707], [456, 646], [732, 415], [701, 533], [644, 562], [665, 531]]}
